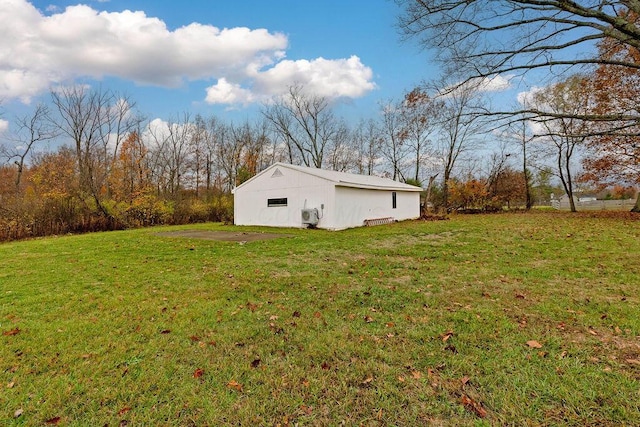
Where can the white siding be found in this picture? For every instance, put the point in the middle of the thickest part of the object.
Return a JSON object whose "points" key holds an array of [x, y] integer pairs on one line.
{"points": [[301, 190], [340, 203], [354, 205]]}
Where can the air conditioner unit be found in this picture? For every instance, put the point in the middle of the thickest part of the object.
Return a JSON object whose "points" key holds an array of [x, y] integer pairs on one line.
{"points": [[310, 216]]}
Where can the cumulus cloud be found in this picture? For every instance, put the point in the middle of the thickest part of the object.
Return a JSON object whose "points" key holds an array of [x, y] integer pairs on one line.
{"points": [[324, 77], [228, 93], [497, 83], [4, 125], [526, 98], [39, 51]]}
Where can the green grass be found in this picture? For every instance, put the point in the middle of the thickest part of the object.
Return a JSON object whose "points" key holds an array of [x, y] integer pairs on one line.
{"points": [[414, 323]]}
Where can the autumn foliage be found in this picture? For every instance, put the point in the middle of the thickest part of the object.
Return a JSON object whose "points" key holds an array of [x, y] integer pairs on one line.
{"points": [[614, 153], [49, 199]]}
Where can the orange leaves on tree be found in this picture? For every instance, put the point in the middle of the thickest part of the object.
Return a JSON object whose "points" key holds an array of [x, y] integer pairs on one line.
{"points": [[614, 156]]}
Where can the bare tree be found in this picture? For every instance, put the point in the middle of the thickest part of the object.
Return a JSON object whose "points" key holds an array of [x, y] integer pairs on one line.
{"points": [[368, 140], [540, 33], [518, 133], [461, 123], [31, 130], [342, 154], [564, 134], [393, 148], [306, 123], [171, 153], [485, 38], [96, 121], [419, 114]]}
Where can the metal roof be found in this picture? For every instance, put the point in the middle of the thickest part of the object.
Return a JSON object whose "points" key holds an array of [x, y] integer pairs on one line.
{"points": [[344, 179]]}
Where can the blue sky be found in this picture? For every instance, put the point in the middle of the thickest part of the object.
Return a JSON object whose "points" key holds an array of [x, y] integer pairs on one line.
{"points": [[172, 57]]}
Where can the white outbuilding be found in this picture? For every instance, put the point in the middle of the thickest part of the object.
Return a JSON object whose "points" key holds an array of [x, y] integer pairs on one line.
{"points": [[285, 195]]}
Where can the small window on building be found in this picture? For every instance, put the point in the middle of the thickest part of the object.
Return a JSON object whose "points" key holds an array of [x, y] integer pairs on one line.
{"points": [[393, 200], [272, 203]]}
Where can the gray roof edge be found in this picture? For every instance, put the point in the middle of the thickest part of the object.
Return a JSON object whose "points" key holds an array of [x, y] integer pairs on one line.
{"points": [[320, 173]]}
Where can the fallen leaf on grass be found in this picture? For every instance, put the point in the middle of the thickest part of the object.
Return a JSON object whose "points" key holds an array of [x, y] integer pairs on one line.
{"points": [[53, 421], [446, 336], [296, 314], [534, 344], [368, 319], [18, 413], [198, 373], [416, 374], [12, 332], [165, 331], [124, 410], [633, 361], [11, 384], [592, 332], [306, 409], [367, 380], [473, 406], [465, 380], [234, 385]]}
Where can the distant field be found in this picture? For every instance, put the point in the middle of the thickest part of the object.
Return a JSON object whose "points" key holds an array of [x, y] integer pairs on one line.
{"points": [[511, 319]]}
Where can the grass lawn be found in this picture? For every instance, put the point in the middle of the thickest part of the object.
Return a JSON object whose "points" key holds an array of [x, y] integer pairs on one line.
{"points": [[513, 319]]}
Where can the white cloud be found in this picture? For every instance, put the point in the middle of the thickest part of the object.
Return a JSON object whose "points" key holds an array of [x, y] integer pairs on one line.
{"points": [[4, 125], [224, 92], [40, 51], [527, 98], [497, 83], [324, 77]]}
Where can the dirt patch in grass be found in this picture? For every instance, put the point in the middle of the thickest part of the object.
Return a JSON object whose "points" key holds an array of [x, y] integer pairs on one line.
{"points": [[226, 236]]}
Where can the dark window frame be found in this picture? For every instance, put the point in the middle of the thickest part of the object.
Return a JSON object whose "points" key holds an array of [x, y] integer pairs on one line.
{"points": [[277, 202], [394, 200]]}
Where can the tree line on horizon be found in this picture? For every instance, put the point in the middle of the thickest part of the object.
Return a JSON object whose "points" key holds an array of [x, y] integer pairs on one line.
{"points": [[111, 168]]}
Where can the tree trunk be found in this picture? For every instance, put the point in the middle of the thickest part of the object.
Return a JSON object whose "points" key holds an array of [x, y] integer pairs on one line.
{"points": [[527, 177], [425, 208], [636, 207], [445, 192]]}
